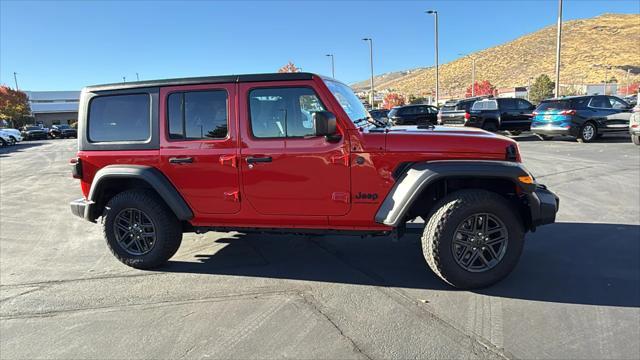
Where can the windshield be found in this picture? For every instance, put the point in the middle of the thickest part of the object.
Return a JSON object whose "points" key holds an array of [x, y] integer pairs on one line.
{"points": [[349, 102]]}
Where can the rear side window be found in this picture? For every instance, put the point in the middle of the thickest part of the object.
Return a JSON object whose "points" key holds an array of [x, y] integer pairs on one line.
{"points": [[523, 104], [485, 105], [119, 118], [580, 103], [196, 115], [508, 104]]}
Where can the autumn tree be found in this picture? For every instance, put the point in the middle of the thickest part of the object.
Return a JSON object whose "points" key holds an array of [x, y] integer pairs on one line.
{"points": [[393, 99], [542, 88], [289, 68], [629, 89], [14, 105], [481, 88]]}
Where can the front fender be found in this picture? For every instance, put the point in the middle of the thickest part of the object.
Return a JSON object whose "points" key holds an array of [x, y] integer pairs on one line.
{"points": [[419, 176]]}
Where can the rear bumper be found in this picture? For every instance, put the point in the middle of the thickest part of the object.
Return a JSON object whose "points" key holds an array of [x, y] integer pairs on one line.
{"points": [[543, 205], [81, 207], [551, 130]]}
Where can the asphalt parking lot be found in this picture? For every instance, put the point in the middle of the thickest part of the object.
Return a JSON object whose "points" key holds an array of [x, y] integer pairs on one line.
{"points": [[574, 294]]}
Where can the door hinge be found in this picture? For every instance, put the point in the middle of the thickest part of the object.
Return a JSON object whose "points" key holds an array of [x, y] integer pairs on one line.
{"points": [[341, 197], [337, 159], [231, 159], [232, 196]]}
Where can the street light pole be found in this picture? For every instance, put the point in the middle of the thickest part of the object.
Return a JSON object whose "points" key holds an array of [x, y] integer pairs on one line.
{"points": [[333, 68], [435, 13], [529, 89], [605, 79], [371, 62], [473, 74], [15, 78], [558, 45]]}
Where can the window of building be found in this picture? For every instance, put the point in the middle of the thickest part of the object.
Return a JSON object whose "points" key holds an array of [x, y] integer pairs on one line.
{"points": [[196, 115], [119, 118]]}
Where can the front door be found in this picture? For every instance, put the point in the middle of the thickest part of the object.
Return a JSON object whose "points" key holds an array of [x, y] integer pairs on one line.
{"points": [[286, 169], [198, 146]]}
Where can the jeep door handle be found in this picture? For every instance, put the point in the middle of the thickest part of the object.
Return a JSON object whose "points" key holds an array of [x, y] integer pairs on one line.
{"points": [[181, 160], [253, 160]]}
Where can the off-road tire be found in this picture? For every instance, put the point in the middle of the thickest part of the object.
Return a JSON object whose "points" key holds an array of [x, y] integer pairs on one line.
{"points": [[490, 126], [581, 135], [635, 139], [442, 225], [167, 228]]}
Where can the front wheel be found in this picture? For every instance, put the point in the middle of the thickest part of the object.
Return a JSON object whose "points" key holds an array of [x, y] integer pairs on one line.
{"points": [[12, 141], [140, 230], [635, 139], [473, 239]]}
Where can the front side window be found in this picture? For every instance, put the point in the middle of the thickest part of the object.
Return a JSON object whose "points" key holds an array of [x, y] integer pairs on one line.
{"points": [[196, 115], [600, 102], [283, 112], [523, 105], [617, 103], [119, 118]]}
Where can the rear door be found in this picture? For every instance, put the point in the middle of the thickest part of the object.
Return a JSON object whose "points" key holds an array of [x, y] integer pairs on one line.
{"points": [[508, 114], [198, 145]]}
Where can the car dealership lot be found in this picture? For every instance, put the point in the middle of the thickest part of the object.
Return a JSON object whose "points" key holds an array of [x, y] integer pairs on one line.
{"points": [[574, 294]]}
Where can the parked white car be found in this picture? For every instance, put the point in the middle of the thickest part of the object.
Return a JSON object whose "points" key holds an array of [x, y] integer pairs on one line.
{"points": [[13, 135]]}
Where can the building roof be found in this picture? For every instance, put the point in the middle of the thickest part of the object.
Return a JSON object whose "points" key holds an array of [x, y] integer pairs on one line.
{"points": [[53, 95], [204, 80], [54, 107]]}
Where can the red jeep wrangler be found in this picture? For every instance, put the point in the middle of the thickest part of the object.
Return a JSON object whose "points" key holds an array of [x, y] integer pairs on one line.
{"points": [[296, 152]]}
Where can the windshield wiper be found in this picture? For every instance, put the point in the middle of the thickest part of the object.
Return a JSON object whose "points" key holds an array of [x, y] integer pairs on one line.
{"points": [[370, 120]]}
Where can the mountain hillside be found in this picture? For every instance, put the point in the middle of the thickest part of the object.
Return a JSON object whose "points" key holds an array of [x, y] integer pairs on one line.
{"points": [[609, 39]]}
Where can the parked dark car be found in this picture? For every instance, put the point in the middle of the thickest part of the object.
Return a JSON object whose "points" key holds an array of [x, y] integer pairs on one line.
{"points": [[62, 131], [413, 115], [510, 114], [583, 117], [456, 112], [381, 115], [33, 133]]}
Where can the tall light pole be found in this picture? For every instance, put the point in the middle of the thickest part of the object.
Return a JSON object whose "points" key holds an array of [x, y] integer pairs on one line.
{"points": [[626, 90], [435, 13], [558, 45], [371, 62], [473, 74], [333, 66], [15, 78], [606, 80], [529, 88]]}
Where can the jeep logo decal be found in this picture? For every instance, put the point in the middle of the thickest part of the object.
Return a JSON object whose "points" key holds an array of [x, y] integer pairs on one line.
{"points": [[366, 196]]}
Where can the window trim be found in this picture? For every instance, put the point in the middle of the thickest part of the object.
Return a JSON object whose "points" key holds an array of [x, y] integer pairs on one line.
{"points": [[142, 141], [166, 127], [248, 99]]}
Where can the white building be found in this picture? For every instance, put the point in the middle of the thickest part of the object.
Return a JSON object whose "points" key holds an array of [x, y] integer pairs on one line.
{"points": [[54, 107]]}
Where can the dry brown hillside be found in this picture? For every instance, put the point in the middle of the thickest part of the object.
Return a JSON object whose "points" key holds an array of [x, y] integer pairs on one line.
{"points": [[611, 39]]}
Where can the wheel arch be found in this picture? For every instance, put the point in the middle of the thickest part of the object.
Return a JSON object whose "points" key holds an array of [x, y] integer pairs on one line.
{"points": [[422, 185], [114, 179]]}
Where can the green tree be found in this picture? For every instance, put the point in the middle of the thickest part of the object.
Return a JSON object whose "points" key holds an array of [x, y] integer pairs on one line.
{"points": [[542, 88], [14, 106]]}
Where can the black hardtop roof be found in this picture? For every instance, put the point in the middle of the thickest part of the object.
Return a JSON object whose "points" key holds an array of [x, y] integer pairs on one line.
{"points": [[204, 80]]}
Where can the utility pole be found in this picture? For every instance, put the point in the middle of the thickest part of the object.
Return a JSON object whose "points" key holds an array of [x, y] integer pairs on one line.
{"points": [[473, 74], [529, 88], [626, 90], [558, 45], [371, 63], [605, 79], [333, 67], [435, 13], [15, 78]]}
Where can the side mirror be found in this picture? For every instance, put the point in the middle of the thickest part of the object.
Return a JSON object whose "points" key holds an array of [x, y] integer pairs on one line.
{"points": [[324, 123]]}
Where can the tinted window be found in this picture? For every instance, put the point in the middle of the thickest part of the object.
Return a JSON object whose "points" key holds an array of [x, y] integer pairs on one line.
{"points": [[198, 115], [600, 102], [485, 105], [283, 112], [508, 104], [580, 103], [119, 118], [617, 103], [554, 105], [408, 111], [523, 105]]}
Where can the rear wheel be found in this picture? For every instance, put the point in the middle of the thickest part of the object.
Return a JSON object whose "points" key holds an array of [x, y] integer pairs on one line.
{"points": [[140, 230], [588, 133], [490, 126], [473, 239], [12, 141], [635, 139], [3, 143]]}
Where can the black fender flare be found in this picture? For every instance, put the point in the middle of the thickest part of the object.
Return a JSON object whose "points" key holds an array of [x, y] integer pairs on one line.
{"points": [[148, 174], [419, 176]]}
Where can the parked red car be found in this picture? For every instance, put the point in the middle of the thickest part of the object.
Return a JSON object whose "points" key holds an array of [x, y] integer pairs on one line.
{"points": [[296, 152]]}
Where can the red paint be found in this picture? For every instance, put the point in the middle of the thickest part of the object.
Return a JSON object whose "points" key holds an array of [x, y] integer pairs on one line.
{"points": [[310, 183]]}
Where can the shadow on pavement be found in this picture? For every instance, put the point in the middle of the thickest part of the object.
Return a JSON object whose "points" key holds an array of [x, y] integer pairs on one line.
{"points": [[621, 137], [576, 263], [6, 150]]}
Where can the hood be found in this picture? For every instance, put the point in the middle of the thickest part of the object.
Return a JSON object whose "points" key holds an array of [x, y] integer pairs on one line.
{"points": [[442, 139]]}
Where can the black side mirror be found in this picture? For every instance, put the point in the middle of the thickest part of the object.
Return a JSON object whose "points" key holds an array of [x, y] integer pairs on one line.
{"points": [[324, 123]]}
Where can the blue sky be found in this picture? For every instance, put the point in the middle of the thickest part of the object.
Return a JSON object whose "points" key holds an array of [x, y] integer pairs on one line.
{"points": [[69, 44]]}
